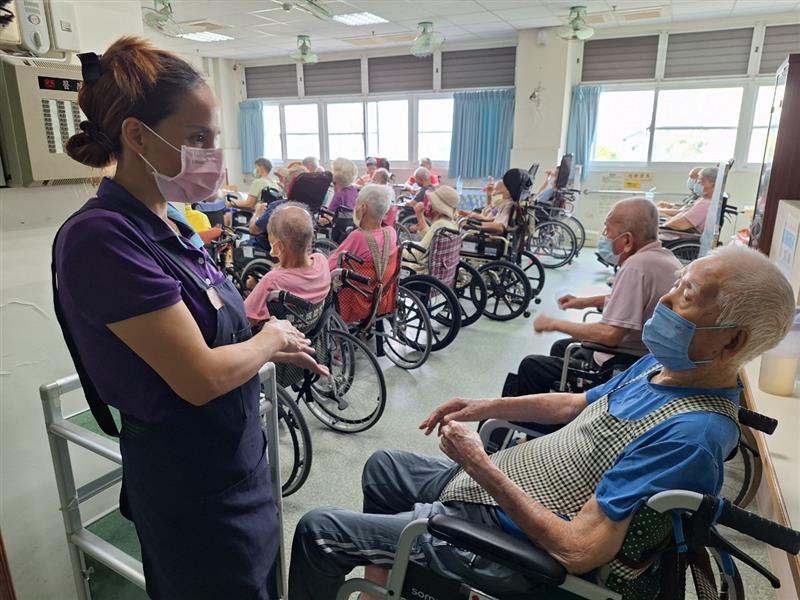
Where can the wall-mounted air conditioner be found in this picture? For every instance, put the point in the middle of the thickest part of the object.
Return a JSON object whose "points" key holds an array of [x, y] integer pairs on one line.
{"points": [[38, 113]]}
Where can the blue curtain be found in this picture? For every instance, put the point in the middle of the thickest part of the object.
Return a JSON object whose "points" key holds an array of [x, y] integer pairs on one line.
{"points": [[582, 124], [483, 128], [251, 132]]}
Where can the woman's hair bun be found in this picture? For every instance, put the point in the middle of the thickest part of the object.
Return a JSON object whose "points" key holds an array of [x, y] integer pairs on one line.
{"points": [[85, 150]]}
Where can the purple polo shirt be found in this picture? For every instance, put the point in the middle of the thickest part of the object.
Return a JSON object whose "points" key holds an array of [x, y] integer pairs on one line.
{"points": [[345, 197], [108, 271]]}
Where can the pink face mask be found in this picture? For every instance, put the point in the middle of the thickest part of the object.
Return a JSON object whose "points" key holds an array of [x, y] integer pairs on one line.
{"points": [[201, 174]]}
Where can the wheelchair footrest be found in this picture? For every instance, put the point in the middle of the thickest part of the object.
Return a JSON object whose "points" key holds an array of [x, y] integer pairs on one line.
{"points": [[500, 547]]}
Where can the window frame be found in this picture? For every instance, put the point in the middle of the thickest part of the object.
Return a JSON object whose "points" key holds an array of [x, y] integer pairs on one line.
{"points": [[323, 134], [749, 85]]}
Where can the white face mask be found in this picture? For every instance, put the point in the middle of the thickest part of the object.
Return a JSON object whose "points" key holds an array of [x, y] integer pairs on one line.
{"points": [[201, 174]]}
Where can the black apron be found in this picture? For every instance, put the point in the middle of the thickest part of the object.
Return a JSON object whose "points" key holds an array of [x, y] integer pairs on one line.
{"points": [[196, 484]]}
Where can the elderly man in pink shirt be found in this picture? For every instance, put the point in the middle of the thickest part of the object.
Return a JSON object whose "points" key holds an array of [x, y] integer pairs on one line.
{"points": [[647, 272], [693, 218]]}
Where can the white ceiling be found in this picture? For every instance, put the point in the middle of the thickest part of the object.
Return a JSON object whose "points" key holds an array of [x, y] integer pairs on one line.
{"points": [[262, 28]]}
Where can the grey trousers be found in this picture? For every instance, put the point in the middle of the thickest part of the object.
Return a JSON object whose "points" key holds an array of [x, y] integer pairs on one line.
{"points": [[398, 488]]}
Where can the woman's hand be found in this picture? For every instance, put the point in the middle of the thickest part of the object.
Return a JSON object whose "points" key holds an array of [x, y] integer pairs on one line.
{"points": [[303, 360], [289, 339]]}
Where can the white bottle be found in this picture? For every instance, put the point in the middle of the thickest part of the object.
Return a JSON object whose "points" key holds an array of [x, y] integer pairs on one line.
{"points": [[779, 366]]}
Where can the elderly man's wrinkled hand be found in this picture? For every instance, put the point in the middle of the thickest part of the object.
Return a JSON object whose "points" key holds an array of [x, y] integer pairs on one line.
{"points": [[542, 324], [457, 409], [462, 445], [569, 301]]}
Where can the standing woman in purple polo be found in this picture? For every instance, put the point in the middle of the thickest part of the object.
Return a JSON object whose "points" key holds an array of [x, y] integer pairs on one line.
{"points": [[156, 331]]}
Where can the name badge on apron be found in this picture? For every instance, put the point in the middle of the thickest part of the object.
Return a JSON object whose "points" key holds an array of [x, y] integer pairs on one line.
{"points": [[214, 298]]}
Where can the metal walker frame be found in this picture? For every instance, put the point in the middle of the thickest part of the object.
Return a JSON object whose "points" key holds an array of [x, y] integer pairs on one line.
{"points": [[82, 542]]}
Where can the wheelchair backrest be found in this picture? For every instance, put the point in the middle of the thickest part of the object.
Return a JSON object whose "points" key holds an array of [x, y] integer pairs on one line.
{"points": [[311, 189], [362, 303], [444, 254], [342, 224], [304, 319]]}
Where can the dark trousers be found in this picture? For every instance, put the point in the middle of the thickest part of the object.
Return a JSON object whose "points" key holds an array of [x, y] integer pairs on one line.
{"points": [[538, 374]]}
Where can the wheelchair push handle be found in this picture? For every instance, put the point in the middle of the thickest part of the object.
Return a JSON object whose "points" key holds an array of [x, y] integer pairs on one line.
{"points": [[353, 276], [412, 245], [326, 212], [346, 257], [298, 303], [757, 527], [755, 420]]}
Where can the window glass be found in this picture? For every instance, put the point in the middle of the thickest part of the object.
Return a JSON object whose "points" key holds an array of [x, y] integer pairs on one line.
{"points": [[758, 136], [387, 127], [623, 124], [272, 132], [302, 130], [346, 130], [434, 128]]}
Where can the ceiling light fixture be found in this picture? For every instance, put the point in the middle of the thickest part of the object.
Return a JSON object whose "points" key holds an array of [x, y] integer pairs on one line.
{"points": [[205, 36], [356, 19]]}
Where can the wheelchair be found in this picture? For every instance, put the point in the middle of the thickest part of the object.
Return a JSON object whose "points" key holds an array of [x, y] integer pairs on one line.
{"points": [[686, 245], [380, 308], [446, 268], [513, 276], [328, 237], [674, 531], [353, 398]]}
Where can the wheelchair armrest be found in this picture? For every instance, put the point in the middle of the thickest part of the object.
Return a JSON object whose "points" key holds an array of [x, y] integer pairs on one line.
{"points": [[491, 425], [500, 547], [612, 350], [241, 230]]}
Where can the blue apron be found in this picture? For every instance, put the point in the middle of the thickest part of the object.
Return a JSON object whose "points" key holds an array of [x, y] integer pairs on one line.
{"points": [[196, 485]]}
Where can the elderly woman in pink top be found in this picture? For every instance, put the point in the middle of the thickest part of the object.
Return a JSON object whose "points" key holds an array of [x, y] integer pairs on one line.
{"points": [[693, 218], [290, 230], [371, 206]]}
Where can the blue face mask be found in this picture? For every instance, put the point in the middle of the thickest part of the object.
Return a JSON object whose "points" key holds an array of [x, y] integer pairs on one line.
{"points": [[697, 189], [668, 336], [605, 248], [690, 184]]}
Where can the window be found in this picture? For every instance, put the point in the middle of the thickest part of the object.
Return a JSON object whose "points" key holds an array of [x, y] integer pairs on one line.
{"points": [[302, 130], [696, 125], [272, 131], [346, 130], [387, 129], [434, 128], [623, 124], [758, 138]]}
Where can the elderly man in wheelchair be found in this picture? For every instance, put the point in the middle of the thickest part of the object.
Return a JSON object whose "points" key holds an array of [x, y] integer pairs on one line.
{"points": [[587, 496]]}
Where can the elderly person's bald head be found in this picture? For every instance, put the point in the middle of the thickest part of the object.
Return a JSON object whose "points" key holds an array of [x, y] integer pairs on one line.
{"points": [[639, 217], [291, 225]]}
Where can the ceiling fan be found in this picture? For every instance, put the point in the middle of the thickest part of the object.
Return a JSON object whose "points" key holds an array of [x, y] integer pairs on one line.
{"points": [[303, 54], [312, 7], [427, 41], [576, 27], [160, 18]]}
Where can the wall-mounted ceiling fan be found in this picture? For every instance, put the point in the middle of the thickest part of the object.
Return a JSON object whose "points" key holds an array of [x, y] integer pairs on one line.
{"points": [[303, 54], [161, 18], [312, 7], [576, 27], [427, 41]]}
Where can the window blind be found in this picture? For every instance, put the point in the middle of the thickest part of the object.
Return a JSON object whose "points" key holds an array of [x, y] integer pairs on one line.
{"points": [[779, 41], [620, 58], [490, 67], [338, 77], [707, 53], [403, 73], [274, 81]]}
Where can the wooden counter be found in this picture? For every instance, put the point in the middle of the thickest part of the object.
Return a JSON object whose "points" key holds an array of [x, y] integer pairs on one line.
{"points": [[779, 494]]}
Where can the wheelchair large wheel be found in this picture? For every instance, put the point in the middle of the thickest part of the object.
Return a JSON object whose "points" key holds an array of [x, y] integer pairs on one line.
{"points": [[685, 251], [471, 293], [325, 246], [742, 472], [508, 290], [534, 270], [553, 243], [405, 336], [353, 398], [577, 229], [443, 307], [252, 273], [294, 444]]}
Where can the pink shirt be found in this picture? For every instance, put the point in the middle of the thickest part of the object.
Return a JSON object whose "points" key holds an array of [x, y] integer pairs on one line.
{"points": [[309, 283], [356, 244], [639, 284], [696, 214]]}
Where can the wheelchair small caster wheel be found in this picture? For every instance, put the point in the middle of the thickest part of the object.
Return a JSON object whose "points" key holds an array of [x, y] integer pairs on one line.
{"points": [[526, 314], [537, 300]]}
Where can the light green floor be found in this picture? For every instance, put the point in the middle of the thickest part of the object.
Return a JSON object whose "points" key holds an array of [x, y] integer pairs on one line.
{"points": [[475, 365]]}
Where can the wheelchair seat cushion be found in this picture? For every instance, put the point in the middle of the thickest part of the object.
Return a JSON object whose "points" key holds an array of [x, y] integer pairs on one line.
{"points": [[500, 547]]}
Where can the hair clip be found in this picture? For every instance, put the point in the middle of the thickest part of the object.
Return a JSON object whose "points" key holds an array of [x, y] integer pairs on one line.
{"points": [[90, 67]]}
